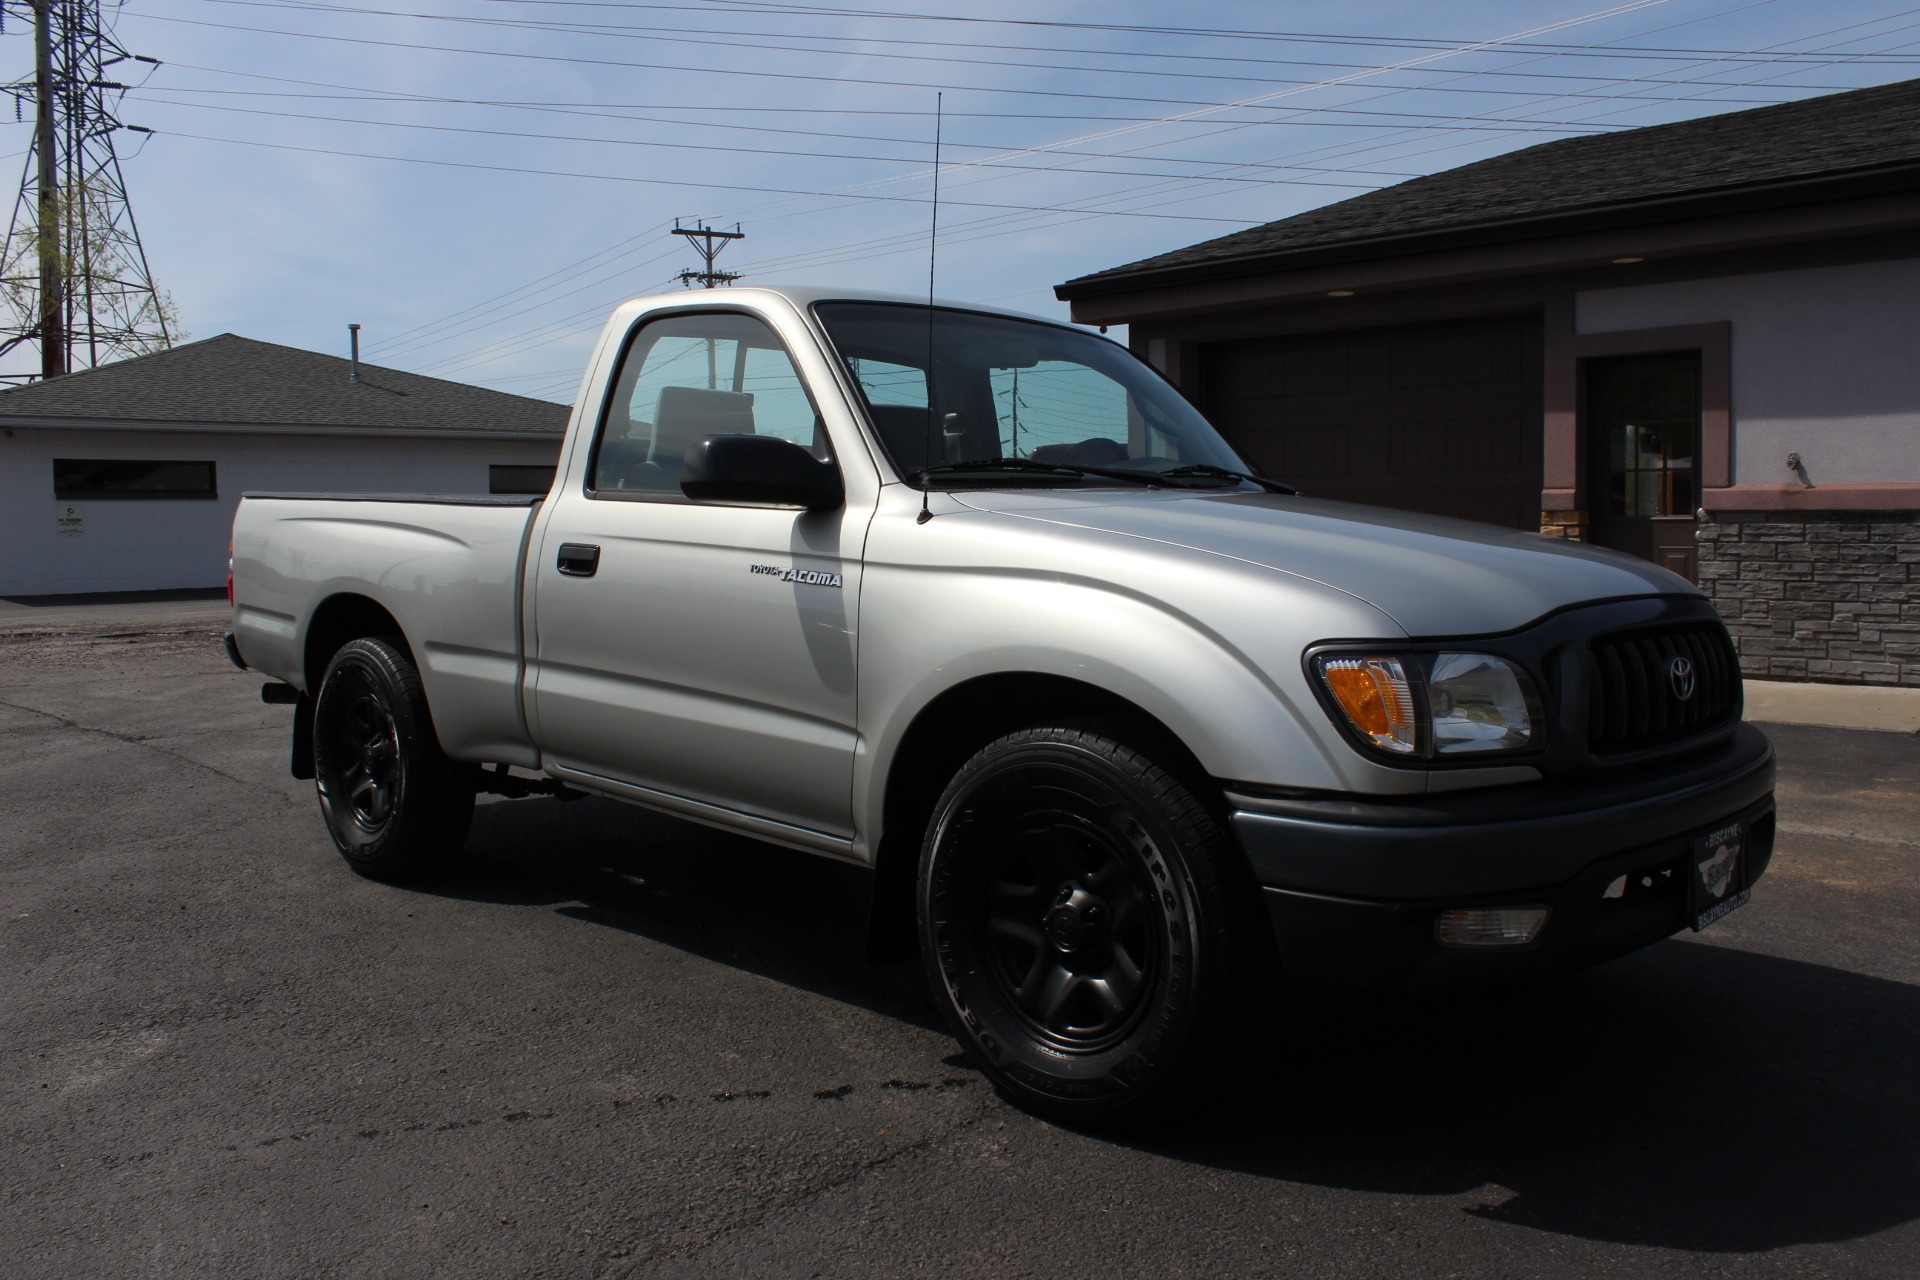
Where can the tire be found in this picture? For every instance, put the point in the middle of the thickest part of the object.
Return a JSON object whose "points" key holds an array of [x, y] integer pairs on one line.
{"points": [[1091, 935], [395, 805]]}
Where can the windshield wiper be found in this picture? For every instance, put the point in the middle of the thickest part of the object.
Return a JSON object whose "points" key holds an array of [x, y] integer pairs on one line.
{"points": [[1207, 469], [1029, 467]]}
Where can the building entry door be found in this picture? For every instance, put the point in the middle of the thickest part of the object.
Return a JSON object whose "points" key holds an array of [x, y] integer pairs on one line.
{"points": [[1643, 434]]}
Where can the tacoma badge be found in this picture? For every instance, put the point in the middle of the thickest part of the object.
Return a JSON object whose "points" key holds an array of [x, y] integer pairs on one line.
{"points": [[810, 576]]}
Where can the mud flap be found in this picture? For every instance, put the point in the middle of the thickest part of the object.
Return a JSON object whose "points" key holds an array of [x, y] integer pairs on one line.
{"points": [[301, 763]]}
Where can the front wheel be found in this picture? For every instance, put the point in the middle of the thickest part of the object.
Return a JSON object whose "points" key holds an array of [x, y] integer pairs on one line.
{"points": [[395, 805], [1090, 933]]}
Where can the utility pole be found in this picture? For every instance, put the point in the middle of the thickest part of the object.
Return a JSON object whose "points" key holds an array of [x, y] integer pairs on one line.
{"points": [[710, 243], [1014, 405], [1015, 397], [74, 278]]}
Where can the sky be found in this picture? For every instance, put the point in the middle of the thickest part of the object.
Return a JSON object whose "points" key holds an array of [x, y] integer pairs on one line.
{"points": [[477, 183]]}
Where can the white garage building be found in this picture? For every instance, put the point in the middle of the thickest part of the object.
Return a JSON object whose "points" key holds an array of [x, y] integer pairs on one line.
{"points": [[125, 478]]}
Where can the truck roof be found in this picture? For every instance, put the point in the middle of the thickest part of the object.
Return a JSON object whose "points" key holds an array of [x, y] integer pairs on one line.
{"points": [[804, 296]]}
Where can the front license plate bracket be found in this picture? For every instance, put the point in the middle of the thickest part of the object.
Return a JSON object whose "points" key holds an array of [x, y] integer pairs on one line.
{"points": [[1717, 874]]}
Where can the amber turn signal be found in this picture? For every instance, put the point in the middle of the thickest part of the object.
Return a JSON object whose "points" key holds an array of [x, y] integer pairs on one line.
{"points": [[1374, 694]]}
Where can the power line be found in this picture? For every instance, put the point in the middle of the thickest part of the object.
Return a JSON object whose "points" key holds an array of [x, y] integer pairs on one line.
{"points": [[1219, 33], [710, 148], [611, 110], [659, 36], [656, 182], [617, 114], [1393, 120], [470, 320], [618, 111], [690, 35], [837, 79], [520, 292]]}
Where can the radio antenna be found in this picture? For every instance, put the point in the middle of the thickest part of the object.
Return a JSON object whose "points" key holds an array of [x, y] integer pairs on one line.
{"points": [[933, 244]]}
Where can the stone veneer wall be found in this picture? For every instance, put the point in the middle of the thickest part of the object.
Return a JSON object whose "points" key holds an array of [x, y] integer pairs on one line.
{"points": [[1818, 595]]}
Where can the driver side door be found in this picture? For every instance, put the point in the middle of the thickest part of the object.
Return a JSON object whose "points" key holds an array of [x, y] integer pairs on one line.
{"points": [[699, 655]]}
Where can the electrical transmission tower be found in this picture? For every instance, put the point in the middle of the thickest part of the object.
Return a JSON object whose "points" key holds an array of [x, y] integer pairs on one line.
{"points": [[710, 244], [73, 274]]}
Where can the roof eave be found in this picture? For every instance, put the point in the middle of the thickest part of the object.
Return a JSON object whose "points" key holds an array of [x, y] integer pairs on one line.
{"points": [[48, 422], [1880, 180]]}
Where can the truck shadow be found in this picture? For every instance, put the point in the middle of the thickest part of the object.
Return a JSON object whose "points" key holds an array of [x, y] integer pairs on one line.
{"points": [[792, 917], [1691, 1097]]}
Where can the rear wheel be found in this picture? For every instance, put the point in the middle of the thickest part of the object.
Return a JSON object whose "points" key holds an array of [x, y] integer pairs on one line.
{"points": [[1089, 931], [395, 805]]}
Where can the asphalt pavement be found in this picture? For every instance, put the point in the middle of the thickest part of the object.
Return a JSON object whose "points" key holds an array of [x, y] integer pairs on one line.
{"points": [[615, 1045]]}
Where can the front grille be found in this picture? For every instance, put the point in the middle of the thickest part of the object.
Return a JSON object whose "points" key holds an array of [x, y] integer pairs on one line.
{"points": [[1634, 702]]}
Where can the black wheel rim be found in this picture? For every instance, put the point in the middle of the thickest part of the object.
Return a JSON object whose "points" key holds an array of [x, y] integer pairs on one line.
{"points": [[366, 773], [1072, 939]]}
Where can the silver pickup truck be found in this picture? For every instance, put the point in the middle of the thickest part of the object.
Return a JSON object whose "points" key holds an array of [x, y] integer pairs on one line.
{"points": [[1130, 739]]}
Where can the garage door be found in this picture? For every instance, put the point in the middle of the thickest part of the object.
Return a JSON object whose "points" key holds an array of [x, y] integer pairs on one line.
{"points": [[1444, 419]]}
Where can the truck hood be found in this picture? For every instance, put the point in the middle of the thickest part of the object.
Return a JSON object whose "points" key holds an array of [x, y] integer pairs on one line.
{"points": [[1432, 575]]}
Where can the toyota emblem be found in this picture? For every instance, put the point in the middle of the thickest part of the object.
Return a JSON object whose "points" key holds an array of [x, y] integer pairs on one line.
{"points": [[1680, 676]]}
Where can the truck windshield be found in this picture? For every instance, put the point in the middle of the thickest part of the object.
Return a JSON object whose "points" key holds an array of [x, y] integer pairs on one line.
{"points": [[968, 399]]}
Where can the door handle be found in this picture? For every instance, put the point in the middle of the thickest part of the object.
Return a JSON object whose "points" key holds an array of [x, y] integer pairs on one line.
{"points": [[578, 559]]}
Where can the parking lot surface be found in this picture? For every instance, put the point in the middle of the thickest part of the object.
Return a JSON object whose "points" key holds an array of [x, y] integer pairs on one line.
{"points": [[612, 1044]]}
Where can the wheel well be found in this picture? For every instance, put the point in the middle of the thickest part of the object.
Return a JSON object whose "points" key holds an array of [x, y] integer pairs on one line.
{"points": [[946, 733], [338, 620]]}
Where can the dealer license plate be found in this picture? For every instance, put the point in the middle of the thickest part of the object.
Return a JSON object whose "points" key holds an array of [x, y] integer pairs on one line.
{"points": [[1717, 879]]}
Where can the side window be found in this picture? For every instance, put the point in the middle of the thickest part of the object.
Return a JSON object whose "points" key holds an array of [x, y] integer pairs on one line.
{"points": [[689, 376]]}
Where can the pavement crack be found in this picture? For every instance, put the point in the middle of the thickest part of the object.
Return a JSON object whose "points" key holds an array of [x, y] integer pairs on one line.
{"points": [[136, 740], [799, 1199]]}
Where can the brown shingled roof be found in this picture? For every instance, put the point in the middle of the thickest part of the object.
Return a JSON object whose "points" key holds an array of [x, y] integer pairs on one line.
{"points": [[1858, 142]]}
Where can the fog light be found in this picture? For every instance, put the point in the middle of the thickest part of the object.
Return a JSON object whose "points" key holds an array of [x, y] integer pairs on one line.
{"points": [[1490, 926]]}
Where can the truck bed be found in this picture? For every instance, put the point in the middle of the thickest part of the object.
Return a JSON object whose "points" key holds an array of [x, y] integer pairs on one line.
{"points": [[446, 567]]}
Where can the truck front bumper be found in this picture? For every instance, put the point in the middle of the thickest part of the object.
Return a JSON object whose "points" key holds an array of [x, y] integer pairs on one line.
{"points": [[1355, 888]]}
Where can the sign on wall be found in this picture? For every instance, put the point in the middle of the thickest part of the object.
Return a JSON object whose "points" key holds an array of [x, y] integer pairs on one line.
{"points": [[69, 520]]}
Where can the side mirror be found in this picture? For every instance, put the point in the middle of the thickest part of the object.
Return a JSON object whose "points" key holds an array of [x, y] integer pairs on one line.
{"points": [[759, 469]]}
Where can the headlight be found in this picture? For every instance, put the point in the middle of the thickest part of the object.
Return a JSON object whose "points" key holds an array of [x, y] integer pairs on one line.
{"points": [[1478, 703], [1433, 705]]}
